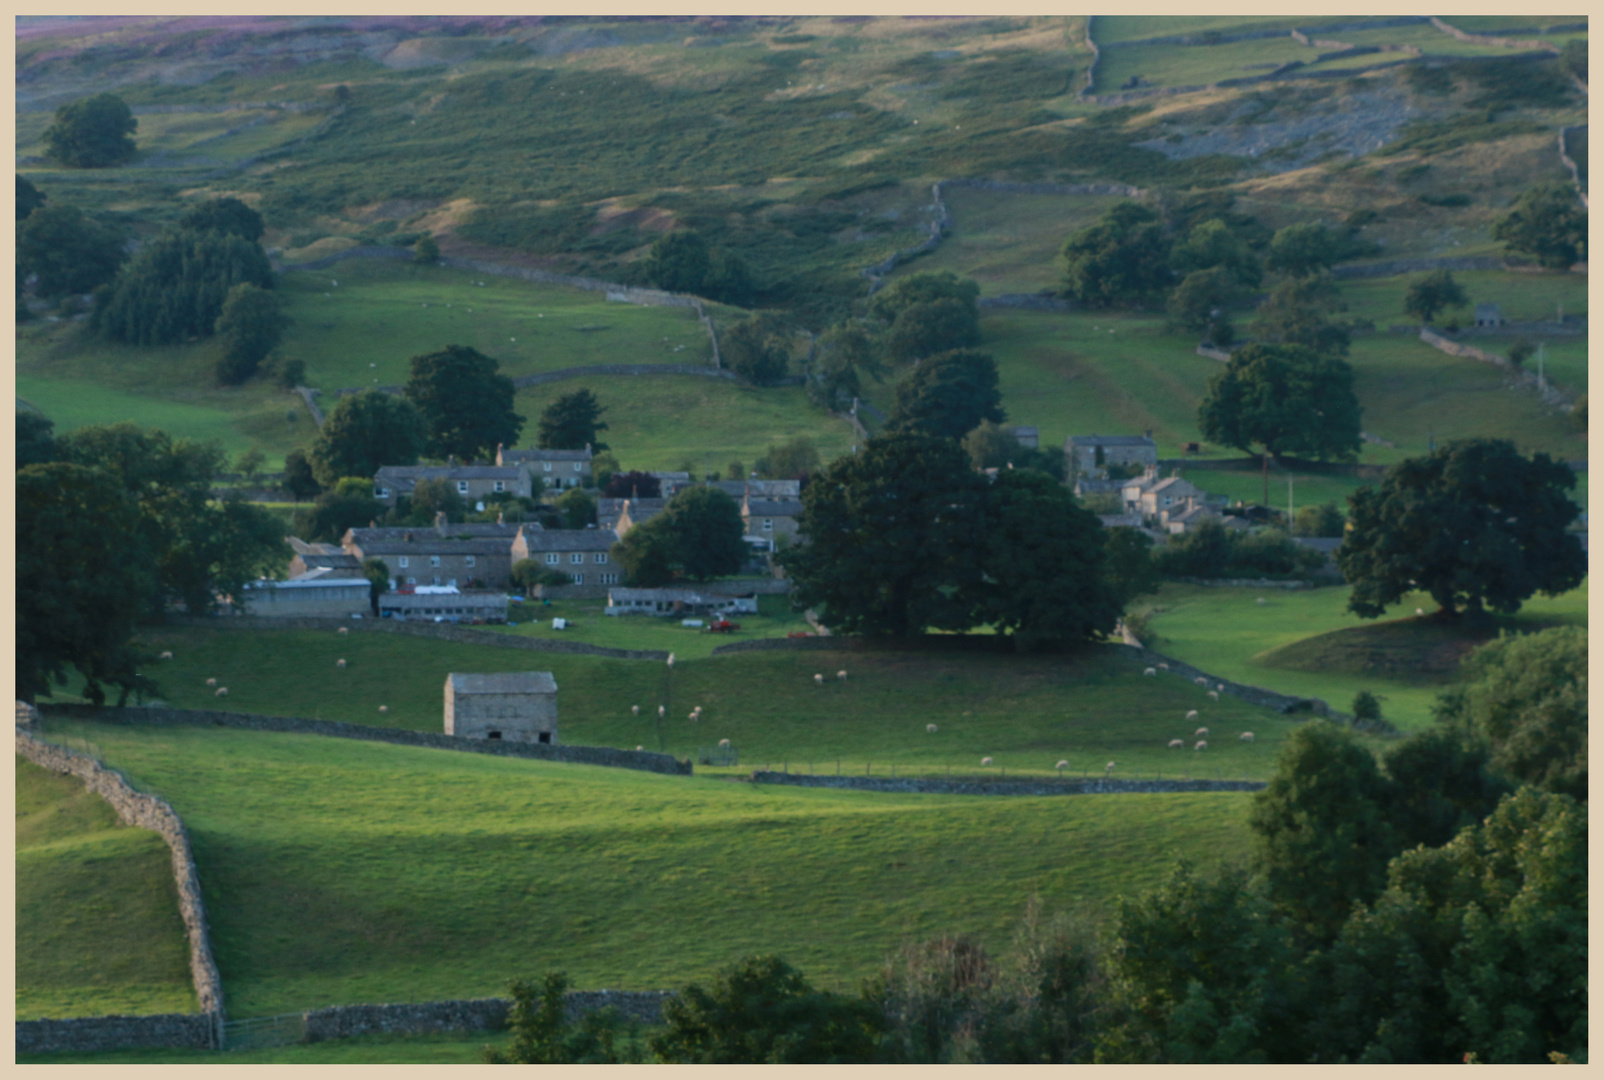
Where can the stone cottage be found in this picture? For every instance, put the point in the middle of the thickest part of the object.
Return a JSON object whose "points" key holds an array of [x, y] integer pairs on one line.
{"points": [[1091, 455], [558, 470], [512, 706]]}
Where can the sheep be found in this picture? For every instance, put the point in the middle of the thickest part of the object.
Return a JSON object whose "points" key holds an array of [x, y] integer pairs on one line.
{"points": [[1108, 768], [222, 691], [662, 711], [1201, 745], [384, 708], [1177, 744], [1219, 686], [339, 663], [634, 710], [211, 682], [1201, 733], [1201, 681], [639, 747], [724, 743], [1163, 667], [167, 656], [930, 729], [1420, 611], [1191, 714], [345, 630], [818, 680], [1246, 736], [1150, 671], [1214, 694], [985, 761], [1260, 600], [841, 675], [1061, 766]]}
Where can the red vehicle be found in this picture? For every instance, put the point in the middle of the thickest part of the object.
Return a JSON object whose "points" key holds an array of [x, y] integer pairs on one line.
{"points": [[722, 626]]}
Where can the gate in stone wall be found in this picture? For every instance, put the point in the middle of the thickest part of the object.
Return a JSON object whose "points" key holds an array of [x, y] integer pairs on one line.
{"points": [[258, 1031]]}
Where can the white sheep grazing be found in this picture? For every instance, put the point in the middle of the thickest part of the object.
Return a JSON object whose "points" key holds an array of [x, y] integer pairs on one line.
{"points": [[1177, 744], [1062, 765], [1215, 694], [724, 742], [211, 682], [1109, 767], [345, 629], [1260, 600], [818, 680], [1163, 667], [1201, 733], [1246, 736], [1150, 671], [662, 711], [339, 663], [638, 747], [1201, 681], [222, 691], [1191, 714], [1420, 611], [384, 708], [930, 728], [1201, 745], [1219, 686], [841, 675], [634, 710], [167, 656], [985, 761]]}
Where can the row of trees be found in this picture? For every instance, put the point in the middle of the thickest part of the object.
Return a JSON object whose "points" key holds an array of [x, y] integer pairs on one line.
{"points": [[115, 526], [1429, 907]]}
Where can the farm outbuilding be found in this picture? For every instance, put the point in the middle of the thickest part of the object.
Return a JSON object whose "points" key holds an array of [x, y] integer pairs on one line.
{"points": [[514, 706]]}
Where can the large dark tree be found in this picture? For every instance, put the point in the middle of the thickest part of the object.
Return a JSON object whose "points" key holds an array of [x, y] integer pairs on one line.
{"points": [[647, 554], [92, 133], [1042, 564], [465, 401], [69, 251], [36, 440], [1214, 244], [251, 323], [922, 288], [571, 423], [679, 262], [847, 352], [29, 198], [175, 286], [1547, 222], [756, 349], [84, 577], [706, 528], [346, 504], [948, 395], [1121, 260], [1299, 312], [226, 215], [931, 327], [1283, 399], [299, 479], [1431, 294], [890, 536], [1304, 249], [1474, 524], [365, 432]]}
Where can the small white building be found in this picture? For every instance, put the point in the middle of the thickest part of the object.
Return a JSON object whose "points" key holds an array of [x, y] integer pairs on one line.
{"points": [[672, 602], [511, 706], [1488, 316]]}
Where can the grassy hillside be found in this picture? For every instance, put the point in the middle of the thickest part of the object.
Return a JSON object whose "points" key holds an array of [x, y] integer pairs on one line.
{"points": [[1305, 642], [398, 874], [98, 929], [1026, 713]]}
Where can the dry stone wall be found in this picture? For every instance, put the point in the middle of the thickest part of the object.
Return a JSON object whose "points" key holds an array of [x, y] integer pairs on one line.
{"points": [[476, 1014], [925, 785], [94, 1034], [643, 760]]}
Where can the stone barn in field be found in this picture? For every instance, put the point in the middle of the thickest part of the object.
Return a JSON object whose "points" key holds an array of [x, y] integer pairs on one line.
{"points": [[515, 706]]}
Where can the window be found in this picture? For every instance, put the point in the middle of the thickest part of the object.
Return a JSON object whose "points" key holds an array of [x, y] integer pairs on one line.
{"points": [[493, 735], [501, 485], [412, 581], [768, 524], [577, 557], [547, 464], [551, 559], [545, 736], [576, 466], [405, 562], [608, 579], [381, 493], [579, 579], [601, 557], [434, 560], [469, 560], [462, 487]]}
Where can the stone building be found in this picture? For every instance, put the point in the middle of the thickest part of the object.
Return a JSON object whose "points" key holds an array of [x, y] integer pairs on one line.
{"points": [[513, 706], [582, 554], [769, 521], [559, 470], [1091, 455], [475, 483], [444, 554]]}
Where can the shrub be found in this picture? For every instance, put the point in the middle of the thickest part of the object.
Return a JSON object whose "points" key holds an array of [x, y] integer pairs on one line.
{"points": [[1366, 706]]}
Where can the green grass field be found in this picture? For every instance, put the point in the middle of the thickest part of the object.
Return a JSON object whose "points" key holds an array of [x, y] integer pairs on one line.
{"points": [[98, 929], [1227, 632], [341, 872], [446, 1048], [1026, 713]]}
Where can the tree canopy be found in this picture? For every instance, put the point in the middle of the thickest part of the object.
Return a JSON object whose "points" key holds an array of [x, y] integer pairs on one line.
{"points": [[1213, 244], [29, 198], [1304, 249], [250, 326], [92, 133], [948, 395], [225, 215], [571, 423], [1298, 312], [846, 353], [175, 286], [681, 261], [793, 459], [1474, 524], [69, 251], [707, 532], [364, 432], [1286, 399], [757, 349], [1548, 223], [465, 402], [1121, 260], [1433, 293]]}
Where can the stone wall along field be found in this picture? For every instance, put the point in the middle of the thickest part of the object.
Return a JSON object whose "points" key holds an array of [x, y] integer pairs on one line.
{"points": [[920, 785], [476, 1014]]}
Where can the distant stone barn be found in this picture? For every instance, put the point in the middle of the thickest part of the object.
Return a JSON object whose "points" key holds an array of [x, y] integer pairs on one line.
{"points": [[514, 706]]}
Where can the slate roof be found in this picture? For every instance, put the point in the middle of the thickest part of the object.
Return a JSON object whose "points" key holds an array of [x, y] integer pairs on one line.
{"points": [[532, 454], [425, 542], [688, 596], [764, 488], [400, 474], [504, 682], [545, 540], [773, 507], [478, 530], [1111, 440]]}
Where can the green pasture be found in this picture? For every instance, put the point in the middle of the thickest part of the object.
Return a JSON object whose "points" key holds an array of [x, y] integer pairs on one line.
{"points": [[1427, 38], [339, 872], [587, 623], [1193, 65], [98, 929], [1027, 713], [366, 329], [1109, 29], [664, 421], [1521, 297], [444, 1048], [1227, 631], [1246, 483]]}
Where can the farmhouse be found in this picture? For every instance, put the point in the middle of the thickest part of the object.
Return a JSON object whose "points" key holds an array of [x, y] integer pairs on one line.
{"points": [[475, 483], [769, 520], [582, 554], [558, 469], [443, 555], [1150, 494], [676, 602], [1091, 455], [511, 706]]}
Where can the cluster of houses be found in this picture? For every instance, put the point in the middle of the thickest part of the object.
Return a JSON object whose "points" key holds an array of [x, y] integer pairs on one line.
{"points": [[461, 571]]}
